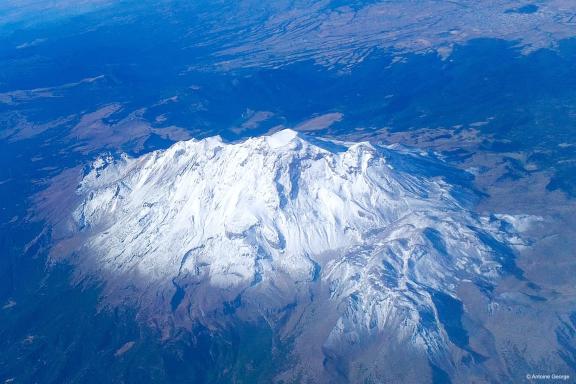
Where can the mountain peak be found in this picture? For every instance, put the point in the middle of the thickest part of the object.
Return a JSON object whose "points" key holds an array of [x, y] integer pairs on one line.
{"points": [[281, 138]]}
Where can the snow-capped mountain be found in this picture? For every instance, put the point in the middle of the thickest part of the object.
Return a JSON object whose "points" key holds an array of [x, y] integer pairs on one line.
{"points": [[373, 233]]}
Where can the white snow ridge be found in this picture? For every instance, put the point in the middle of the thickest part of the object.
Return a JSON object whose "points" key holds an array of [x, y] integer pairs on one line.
{"points": [[374, 229]]}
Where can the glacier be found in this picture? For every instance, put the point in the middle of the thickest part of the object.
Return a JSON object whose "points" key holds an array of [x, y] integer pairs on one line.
{"points": [[373, 233]]}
